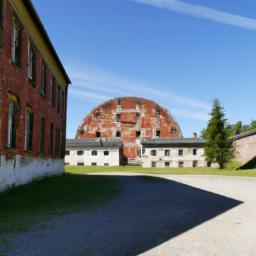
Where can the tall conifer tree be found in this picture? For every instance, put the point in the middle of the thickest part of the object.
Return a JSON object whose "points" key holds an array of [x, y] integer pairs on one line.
{"points": [[219, 148]]}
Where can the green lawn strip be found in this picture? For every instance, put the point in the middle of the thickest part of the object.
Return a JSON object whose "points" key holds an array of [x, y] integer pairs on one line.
{"points": [[52, 196], [180, 171]]}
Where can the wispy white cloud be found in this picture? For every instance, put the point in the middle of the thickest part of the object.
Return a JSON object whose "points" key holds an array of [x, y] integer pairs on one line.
{"points": [[99, 86], [119, 86], [203, 12]]}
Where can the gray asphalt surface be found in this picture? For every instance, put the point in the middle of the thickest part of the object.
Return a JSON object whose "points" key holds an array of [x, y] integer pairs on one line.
{"points": [[167, 215]]}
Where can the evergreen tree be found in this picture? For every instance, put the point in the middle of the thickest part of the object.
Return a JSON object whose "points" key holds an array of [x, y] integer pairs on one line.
{"points": [[219, 148]]}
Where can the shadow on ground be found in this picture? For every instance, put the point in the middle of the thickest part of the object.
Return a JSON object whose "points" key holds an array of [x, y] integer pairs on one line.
{"points": [[149, 212]]}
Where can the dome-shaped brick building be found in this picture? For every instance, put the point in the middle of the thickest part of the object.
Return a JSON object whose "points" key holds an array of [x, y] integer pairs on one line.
{"points": [[129, 118]]}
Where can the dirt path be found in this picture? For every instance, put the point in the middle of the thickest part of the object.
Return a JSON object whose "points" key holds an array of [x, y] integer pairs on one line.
{"points": [[171, 215]]}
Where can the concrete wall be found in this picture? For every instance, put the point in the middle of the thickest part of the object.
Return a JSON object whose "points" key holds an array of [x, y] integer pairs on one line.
{"points": [[21, 170], [246, 148], [174, 157], [113, 159]]}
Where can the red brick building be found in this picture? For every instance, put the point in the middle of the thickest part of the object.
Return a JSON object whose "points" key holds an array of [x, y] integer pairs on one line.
{"points": [[129, 118], [33, 93]]}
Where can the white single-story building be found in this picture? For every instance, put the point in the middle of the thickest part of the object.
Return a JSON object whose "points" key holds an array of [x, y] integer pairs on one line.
{"points": [[169, 152], [93, 152]]}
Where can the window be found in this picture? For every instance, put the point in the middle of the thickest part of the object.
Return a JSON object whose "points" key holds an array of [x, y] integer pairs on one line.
{"points": [[80, 153], [31, 65], [51, 139], [52, 92], [59, 104], [118, 134], [137, 115], [157, 113], [16, 44], [173, 131], [106, 153], [43, 80], [98, 134], [158, 133], [94, 164], [94, 153], [66, 163], [153, 164], [194, 152], [138, 152], [106, 164], [153, 153], [143, 151], [80, 164], [57, 142], [118, 117], [167, 152], [29, 129], [180, 152], [167, 164], [137, 134], [42, 135], [12, 121], [181, 164], [67, 152], [194, 163]]}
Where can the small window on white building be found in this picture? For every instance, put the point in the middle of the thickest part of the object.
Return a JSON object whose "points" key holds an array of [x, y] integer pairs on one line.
{"points": [[106, 153], [181, 152], [80, 153], [181, 164], [153, 152], [106, 164], [66, 163], [195, 163], [94, 164], [80, 164], [167, 152], [94, 153], [67, 152], [194, 152], [167, 164], [153, 164]]}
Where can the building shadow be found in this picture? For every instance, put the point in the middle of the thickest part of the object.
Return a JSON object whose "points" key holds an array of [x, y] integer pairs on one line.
{"points": [[150, 212]]}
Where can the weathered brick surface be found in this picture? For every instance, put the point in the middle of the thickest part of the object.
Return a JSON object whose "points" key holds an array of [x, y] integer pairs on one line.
{"points": [[14, 79], [136, 115]]}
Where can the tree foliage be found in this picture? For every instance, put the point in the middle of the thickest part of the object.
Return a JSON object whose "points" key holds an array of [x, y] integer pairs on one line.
{"points": [[219, 148], [240, 128]]}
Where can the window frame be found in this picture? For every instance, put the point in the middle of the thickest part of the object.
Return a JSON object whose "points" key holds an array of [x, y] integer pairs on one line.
{"points": [[167, 152], [42, 134], [16, 42], [29, 129], [31, 65], [94, 152], [80, 152], [106, 153], [153, 152], [43, 80], [13, 119]]}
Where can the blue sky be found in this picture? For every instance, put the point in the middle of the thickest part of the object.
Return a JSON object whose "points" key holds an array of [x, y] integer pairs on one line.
{"points": [[182, 54]]}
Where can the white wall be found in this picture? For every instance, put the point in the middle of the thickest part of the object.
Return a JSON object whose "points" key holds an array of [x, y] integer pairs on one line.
{"points": [[21, 170], [174, 157], [113, 159]]}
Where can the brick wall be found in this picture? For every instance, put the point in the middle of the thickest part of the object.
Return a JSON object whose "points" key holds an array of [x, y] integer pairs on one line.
{"points": [[14, 79], [134, 115]]}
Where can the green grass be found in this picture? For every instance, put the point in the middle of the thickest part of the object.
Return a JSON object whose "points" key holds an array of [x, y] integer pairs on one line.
{"points": [[28, 204], [137, 169]]}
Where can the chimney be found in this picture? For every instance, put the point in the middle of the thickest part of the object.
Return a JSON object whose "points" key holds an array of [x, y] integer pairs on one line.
{"points": [[194, 135]]}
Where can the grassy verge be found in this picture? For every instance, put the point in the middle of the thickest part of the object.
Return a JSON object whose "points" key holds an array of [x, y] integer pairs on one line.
{"points": [[28, 204], [138, 169]]}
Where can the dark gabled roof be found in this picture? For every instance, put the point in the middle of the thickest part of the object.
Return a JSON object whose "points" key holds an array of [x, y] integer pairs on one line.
{"points": [[244, 135], [31, 9], [173, 142], [93, 143]]}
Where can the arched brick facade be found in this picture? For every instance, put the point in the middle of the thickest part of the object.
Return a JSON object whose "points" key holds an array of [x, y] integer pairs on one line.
{"points": [[129, 118]]}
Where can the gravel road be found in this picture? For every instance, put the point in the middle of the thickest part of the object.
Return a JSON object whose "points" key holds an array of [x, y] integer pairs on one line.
{"points": [[164, 215]]}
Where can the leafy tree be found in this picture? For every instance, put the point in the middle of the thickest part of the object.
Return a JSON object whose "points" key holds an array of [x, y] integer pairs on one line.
{"points": [[219, 148]]}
